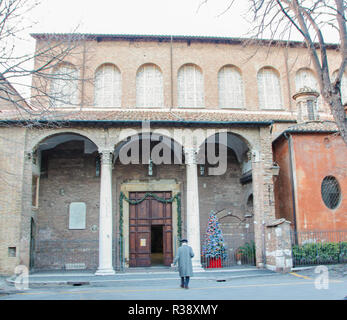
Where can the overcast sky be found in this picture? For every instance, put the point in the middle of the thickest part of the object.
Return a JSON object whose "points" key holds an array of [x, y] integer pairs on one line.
{"points": [[141, 17]]}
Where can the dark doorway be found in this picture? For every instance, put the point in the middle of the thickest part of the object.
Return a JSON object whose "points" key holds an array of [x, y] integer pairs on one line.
{"points": [[32, 243], [157, 254]]}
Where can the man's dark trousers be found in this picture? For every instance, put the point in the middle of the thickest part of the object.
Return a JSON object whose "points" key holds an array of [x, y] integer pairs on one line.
{"points": [[184, 282]]}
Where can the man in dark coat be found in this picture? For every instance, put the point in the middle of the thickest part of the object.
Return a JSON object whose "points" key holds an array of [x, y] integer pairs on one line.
{"points": [[184, 259]]}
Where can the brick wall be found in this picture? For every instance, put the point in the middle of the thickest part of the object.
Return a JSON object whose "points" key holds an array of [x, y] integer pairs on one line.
{"points": [[129, 56], [71, 178]]}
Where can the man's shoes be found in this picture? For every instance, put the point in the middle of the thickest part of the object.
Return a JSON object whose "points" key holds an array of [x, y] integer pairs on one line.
{"points": [[182, 286], [186, 287]]}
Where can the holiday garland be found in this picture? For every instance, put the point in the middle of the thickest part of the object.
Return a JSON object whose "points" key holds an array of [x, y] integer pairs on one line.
{"points": [[176, 197]]}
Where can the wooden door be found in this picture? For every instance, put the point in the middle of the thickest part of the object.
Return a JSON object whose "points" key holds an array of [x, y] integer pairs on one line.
{"points": [[141, 217]]}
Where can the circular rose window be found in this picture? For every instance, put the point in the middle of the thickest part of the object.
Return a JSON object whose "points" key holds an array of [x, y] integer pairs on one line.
{"points": [[331, 192]]}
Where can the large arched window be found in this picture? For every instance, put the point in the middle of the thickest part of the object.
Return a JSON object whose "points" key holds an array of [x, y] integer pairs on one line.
{"points": [[190, 86], [306, 78], [107, 86], [230, 88], [269, 89], [64, 86], [343, 86], [149, 86]]}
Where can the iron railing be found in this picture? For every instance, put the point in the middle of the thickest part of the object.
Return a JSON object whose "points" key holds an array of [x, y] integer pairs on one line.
{"points": [[319, 247], [68, 255], [240, 250]]}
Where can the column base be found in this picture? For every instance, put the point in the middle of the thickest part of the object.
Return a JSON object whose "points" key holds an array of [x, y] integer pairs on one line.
{"points": [[198, 268], [105, 272]]}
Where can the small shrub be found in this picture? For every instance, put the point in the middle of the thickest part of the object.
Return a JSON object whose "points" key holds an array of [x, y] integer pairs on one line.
{"points": [[247, 252], [321, 252]]}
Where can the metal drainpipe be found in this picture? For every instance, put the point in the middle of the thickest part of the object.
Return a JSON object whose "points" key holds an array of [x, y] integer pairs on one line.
{"points": [[83, 74], [171, 71], [290, 147]]}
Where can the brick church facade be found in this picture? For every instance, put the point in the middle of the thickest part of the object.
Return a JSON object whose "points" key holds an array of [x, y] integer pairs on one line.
{"points": [[70, 199]]}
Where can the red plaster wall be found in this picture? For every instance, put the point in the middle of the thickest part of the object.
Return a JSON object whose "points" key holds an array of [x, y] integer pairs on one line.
{"points": [[283, 189], [318, 156]]}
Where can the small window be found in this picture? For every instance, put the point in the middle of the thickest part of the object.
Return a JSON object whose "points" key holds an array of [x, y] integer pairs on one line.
{"points": [[331, 192], [250, 204], [35, 191], [12, 252]]}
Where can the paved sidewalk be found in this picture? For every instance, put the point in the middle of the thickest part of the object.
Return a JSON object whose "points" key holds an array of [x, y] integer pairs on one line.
{"points": [[144, 274]]}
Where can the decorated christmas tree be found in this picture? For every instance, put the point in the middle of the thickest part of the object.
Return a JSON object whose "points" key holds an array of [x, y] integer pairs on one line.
{"points": [[214, 247]]}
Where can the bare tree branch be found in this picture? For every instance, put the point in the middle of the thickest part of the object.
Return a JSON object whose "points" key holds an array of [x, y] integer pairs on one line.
{"points": [[274, 20]]}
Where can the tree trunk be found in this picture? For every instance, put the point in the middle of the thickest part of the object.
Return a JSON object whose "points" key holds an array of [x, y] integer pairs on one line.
{"points": [[333, 98]]}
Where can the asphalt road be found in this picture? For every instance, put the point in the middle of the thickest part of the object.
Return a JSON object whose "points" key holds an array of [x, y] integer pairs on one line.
{"points": [[292, 286]]}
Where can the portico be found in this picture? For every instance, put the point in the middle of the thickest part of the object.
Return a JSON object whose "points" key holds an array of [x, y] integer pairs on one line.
{"points": [[111, 177]]}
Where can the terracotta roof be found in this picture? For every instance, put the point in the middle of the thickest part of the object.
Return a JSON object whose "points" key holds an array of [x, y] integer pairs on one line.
{"points": [[323, 126], [314, 126], [155, 115], [168, 38]]}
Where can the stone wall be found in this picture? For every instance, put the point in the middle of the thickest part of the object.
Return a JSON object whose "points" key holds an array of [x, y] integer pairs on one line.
{"points": [[12, 142], [278, 246]]}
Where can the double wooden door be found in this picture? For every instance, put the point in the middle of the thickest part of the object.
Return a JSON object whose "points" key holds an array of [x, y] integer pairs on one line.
{"points": [[144, 218]]}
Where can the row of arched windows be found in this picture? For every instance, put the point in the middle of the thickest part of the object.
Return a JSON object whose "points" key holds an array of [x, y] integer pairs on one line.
{"points": [[190, 86]]}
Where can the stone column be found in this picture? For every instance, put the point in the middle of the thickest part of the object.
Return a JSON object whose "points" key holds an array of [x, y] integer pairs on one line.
{"points": [[193, 215], [105, 217], [258, 208]]}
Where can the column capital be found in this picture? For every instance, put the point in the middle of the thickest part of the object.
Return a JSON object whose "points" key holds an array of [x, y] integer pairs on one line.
{"points": [[106, 155], [190, 155]]}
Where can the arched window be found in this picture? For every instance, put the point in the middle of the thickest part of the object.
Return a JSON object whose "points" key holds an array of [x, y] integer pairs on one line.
{"points": [[107, 86], [190, 86], [230, 88], [64, 86], [269, 89], [149, 87], [306, 78], [343, 86], [250, 205]]}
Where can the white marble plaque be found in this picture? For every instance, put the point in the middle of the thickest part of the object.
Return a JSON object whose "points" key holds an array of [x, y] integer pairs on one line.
{"points": [[77, 215]]}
